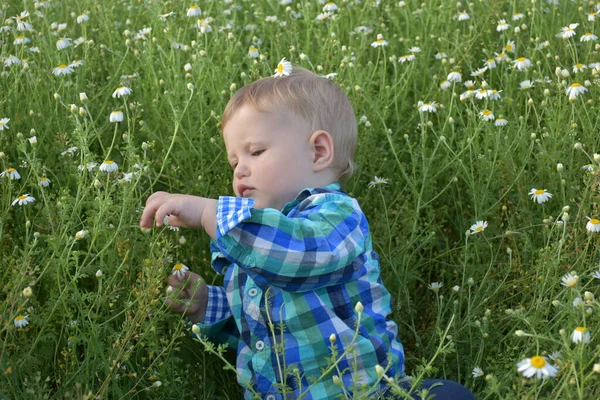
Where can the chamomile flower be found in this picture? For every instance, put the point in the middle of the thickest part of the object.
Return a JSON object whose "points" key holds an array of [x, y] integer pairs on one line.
{"points": [[23, 200], [567, 31], [406, 57], [586, 37], [588, 168], [194, 11], [579, 68], [380, 41], [11, 60], [21, 321], [486, 115], [477, 372], [116, 116], [494, 94], [284, 68], [517, 16], [540, 195], [502, 25], [63, 69], [427, 107], [490, 63], [454, 77], [21, 40], [10, 173], [463, 16], [44, 182], [179, 270], [330, 6], [109, 166], [121, 91], [478, 227], [569, 280], [500, 121], [435, 286], [377, 181], [593, 225], [537, 366], [522, 63], [445, 85], [575, 90], [581, 335], [81, 18], [510, 46], [526, 85], [479, 73], [253, 52], [63, 43]]}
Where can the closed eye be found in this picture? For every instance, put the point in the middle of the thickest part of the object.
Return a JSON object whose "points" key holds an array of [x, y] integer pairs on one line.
{"points": [[257, 153]]}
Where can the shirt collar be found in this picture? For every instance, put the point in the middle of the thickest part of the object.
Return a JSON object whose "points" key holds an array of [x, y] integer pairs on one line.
{"points": [[332, 187]]}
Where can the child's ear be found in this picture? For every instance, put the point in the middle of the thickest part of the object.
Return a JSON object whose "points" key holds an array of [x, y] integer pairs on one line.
{"points": [[321, 145]]}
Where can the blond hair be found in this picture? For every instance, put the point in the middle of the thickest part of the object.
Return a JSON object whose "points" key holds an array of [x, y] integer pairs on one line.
{"points": [[318, 100]]}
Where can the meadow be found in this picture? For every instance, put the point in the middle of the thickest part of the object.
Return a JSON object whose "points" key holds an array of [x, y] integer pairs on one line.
{"points": [[478, 167]]}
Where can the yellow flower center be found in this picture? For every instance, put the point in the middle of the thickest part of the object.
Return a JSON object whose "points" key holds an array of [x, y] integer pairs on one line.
{"points": [[487, 112], [194, 7], [280, 68], [178, 267], [380, 41], [479, 229], [62, 66], [44, 179], [579, 65], [253, 49], [576, 85], [109, 162], [509, 47], [20, 37], [331, 3], [538, 362], [539, 192], [588, 34], [594, 221], [23, 197], [581, 329], [521, 59], [491, 60], [11, 170], [20, 318]]}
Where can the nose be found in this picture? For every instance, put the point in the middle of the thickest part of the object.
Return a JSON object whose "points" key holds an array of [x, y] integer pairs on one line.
{"points": [[241, 170]]}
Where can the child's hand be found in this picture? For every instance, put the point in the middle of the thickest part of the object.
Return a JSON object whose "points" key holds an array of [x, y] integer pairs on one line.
{"points": [[183, 210], [188, 295]]}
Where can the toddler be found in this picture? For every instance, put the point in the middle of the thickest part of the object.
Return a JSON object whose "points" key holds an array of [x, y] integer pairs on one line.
{"points": [[300, 273]]}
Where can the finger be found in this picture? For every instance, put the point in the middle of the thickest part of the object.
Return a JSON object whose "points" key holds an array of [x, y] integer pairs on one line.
{"points": [[176, 282], [152, 204], [165, 209]]}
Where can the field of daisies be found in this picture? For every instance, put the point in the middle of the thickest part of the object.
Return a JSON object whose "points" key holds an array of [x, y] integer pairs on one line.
{"points": [[478, 166]]}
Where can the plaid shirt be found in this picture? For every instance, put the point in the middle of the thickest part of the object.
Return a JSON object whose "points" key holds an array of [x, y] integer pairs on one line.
{"points": [[301, 271]]}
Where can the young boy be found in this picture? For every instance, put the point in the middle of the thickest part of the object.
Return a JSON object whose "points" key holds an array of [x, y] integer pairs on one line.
{"points": [[295, 250]]}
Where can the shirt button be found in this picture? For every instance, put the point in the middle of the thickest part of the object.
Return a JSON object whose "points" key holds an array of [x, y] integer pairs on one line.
{"points": [[270, 397], [252, 292], [259, 345]]}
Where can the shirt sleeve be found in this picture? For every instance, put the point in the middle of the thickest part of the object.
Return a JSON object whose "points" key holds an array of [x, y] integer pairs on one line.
{"points": [[218, 324], [322, 244]]}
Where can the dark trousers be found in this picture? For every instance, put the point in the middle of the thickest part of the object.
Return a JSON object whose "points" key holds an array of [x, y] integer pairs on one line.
{"points": [[442, 390]]}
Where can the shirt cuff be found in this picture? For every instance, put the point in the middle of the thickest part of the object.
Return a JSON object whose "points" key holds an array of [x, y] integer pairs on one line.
{"points": [[217, 307], [231, 211]]}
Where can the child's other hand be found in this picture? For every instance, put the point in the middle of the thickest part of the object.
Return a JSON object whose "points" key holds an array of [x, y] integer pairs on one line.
{"points": [[183, 210], [188, 295]]}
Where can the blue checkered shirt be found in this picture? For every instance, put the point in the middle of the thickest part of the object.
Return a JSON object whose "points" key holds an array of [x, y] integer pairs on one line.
{"points": [[293, 277]]}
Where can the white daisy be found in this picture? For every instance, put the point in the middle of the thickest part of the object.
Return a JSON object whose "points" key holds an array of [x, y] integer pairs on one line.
{"points": [[405, 58], [593, 225], [569, 280], [522, 63], [63, 69], [479, 226], [445, 85], [21, 40], [579, 68], [11, 60], [435, 286], [116, 116], [502, 25], [490, 63], [586, 37], [4, 123], [596, 275], [500, 121], [23, 200], [330, 6], [380, 41], [21, 321], [81, 18], [454, 77], [121, 91], [477, 372], [44, 182], [284, 68], [588, 168], [109, 166], [567, 31], [581, 335], [526, 85], [10, 173], [63, 43], [463, 16], [486, 115], [194, 11], [377, 182], [537, 366], [575, 90], [179, 270], [517, 16], [479, 73], [253, 52], [540, 195], [427, 107]]}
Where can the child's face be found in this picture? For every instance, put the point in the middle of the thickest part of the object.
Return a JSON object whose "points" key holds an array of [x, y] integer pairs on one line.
{"points": [[269, 153]]}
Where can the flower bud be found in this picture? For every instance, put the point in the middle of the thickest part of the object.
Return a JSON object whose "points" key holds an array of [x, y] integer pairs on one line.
{"points": [[99, 274], [73, 108], [577, 146], [27, 292], [559, 167], [196, 329], [359, 308], [519, 333]]}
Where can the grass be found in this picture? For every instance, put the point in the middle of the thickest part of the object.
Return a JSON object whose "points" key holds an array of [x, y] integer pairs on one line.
{"points": [[113, 336]]}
